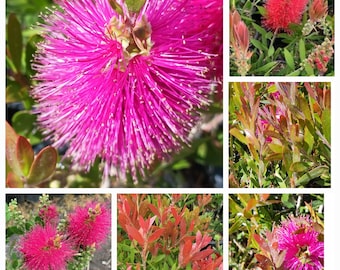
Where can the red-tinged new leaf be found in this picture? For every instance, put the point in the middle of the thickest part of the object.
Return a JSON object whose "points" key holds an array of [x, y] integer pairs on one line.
{"points": [[262, 243], [251, 204], [192, 225], [25, 155], [264, 197], [202, 254], [11, 150], [43, 166], [154, 210], [14, 181], [184, 253], [183, 227], [175, 215], [155, 236], [146, 224], [264, 262], [135, 235]]}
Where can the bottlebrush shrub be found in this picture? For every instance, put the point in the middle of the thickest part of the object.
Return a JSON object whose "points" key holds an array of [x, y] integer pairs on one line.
{"points": [[279, 134], [281, 231], [286, 37], [170, 231], [49, 242]]}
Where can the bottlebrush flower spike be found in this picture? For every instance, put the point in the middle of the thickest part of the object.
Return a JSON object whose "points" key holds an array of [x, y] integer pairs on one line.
{"points": [[49, 214], [299, 239], [281, 13], [239, 41], [89, 225], [318, 10], [44, 249], [125, 85]]}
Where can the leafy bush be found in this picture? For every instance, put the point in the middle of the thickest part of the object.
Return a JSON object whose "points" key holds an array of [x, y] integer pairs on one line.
{"points": [[279, 134], [175, 231]]}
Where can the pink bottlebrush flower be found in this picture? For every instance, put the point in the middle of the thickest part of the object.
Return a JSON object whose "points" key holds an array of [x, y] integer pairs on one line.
{"points": [[44, 249], [298, 238], [49, 214], [89, 225], [125, 86], [281, 13]]}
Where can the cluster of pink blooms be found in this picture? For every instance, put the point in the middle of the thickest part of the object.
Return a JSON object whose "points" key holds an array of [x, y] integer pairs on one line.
{"points": [[46, 248], [124, 85], [298, 238]]}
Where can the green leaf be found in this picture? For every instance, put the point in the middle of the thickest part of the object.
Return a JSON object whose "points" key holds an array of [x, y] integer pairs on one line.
{"points": [[13, 91], [23, 123], [259, 29], [134, 5], [265, 68], [238, 135], [302, 50], [276, 148], [43, 166], [158, 258], [326, 124], [312, 174], [309, 69], [14, 40], [258, 44], [289, 59], [25, 155], [262, 10], [309, 139], [116, 7], [236, 224], [299, 166], [271, 51], [295, 73]]}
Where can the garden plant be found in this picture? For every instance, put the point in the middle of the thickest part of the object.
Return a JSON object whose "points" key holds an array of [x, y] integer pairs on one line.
{"points": [[127, 93], [177, 231], [280, 232], [49, 237], [281, 37], [279, 134]]}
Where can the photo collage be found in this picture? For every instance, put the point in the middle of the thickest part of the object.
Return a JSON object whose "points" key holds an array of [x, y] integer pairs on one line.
{"points": [[169, 134]]}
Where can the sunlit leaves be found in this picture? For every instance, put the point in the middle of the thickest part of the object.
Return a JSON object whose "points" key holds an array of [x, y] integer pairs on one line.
{"points": [[159, 228], [282, 139]]}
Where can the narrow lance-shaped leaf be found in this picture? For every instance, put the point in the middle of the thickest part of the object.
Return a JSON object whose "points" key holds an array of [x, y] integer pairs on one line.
{"points": [[289, 59], [326, 124], [14, 40], [135, 235], [302, 50], [312, 174]]}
